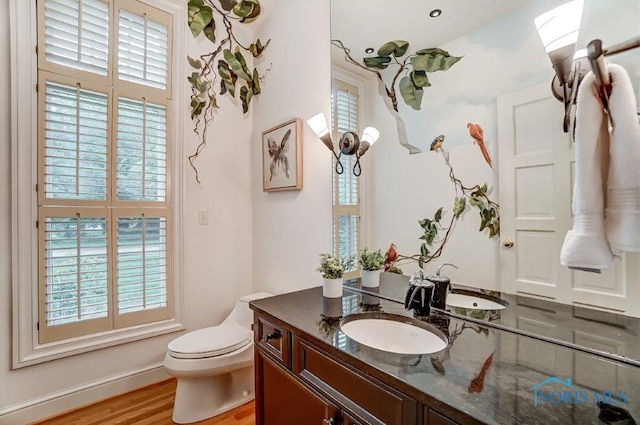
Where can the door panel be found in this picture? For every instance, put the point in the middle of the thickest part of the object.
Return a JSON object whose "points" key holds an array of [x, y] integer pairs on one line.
{"points": [[537, 173]]}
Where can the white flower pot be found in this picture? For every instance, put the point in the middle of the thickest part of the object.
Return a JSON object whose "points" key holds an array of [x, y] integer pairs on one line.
{"points": [[370, 278], [331, 288]]}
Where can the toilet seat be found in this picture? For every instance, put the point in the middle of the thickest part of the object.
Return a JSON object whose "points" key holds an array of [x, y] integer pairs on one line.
{"points": [[210, 342]]}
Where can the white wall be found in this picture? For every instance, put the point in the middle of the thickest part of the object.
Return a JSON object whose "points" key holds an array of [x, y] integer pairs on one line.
{"points": [[217, 264], [291, 228]]}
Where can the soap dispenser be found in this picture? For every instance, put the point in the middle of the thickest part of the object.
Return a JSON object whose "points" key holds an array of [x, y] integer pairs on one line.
{"points": [[441, 287], [419, 294]]}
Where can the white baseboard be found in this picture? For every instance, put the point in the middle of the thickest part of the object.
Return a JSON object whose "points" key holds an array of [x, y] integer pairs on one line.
{"points": [[72, 398]]}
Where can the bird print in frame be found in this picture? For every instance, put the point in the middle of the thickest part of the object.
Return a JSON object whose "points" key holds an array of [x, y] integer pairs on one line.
{"points": [[282, 157]]}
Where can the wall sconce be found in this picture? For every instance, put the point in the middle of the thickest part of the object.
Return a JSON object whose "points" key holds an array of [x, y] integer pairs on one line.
{"points": [[558, 29], [350, 143]]}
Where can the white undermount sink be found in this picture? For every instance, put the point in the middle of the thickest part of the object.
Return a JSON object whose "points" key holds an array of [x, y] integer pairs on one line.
{"points": [[473, 302], [394, 333]]}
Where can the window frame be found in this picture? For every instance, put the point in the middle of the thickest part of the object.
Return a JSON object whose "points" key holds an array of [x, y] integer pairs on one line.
{"points": [[26, 350]]}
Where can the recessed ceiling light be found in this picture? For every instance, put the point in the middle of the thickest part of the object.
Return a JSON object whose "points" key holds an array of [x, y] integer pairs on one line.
{"points": [[369, 50], [435, 13]]}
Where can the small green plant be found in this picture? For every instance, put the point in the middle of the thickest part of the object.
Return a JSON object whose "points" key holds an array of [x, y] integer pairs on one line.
{"points": [[371, 260], [333, 267]]}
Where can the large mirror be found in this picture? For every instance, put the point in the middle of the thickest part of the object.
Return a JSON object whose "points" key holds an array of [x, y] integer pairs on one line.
{"points": [[502, 83]]}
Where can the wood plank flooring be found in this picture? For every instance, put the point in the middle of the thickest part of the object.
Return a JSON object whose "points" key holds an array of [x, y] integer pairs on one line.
{"points": [[151, 405]]}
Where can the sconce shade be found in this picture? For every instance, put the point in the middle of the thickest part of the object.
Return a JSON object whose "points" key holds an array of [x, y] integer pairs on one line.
{"points": [[370, 135], [319, 125], [558, 29]]}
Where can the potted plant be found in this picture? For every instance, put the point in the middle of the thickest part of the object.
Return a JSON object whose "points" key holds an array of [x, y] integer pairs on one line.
{"points": [[332, 268], [372, 263]]}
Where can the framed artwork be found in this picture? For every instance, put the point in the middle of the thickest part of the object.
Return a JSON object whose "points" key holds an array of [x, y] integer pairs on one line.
{"points": [[282, 157]]}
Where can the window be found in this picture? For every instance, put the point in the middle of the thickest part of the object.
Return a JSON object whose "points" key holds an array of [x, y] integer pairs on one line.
{"points": [[346, 186], [104, 202]]}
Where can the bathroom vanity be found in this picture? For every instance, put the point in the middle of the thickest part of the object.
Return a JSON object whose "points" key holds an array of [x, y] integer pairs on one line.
{"points": [[310, 372]]}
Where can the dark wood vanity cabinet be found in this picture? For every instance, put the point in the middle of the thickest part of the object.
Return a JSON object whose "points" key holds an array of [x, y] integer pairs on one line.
{"points": [[299, 383]]}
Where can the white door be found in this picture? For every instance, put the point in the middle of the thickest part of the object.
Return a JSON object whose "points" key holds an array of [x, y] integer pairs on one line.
{"points": [[536, 163]]}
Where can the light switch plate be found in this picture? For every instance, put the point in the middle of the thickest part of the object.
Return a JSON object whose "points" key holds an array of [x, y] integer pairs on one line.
{"points": [[203, 216]]}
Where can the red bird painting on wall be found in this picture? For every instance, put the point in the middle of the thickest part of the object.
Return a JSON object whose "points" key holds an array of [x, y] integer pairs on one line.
{"points": [[476, 132]]}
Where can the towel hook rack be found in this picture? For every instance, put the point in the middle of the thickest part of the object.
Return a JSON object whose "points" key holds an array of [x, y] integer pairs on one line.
{"points": [[596, 54]]}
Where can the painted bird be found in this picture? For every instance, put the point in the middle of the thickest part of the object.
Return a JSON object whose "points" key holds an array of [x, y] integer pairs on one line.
{"points": [[475, 131], [436, 145], [390, 257]]}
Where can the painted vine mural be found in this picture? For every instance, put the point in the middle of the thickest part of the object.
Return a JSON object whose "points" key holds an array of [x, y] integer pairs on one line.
{"points": [[224, 71], [409, 77]]}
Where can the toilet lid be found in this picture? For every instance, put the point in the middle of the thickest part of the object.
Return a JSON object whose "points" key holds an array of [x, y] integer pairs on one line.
{"points": [[210, 342]]}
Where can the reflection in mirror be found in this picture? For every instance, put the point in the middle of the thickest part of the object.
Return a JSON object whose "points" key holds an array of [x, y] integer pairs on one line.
{"points": [[503, 84]]}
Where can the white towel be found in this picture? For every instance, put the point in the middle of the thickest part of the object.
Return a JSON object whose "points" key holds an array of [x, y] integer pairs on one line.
{"points": [[622, 219], [586, 246]]}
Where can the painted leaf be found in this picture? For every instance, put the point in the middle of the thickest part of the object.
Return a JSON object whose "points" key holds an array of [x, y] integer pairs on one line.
{"points": [[423, 250], [257, 48], [420, 79], [434, 62], [411, 95], [210, 31], [197, 105], [438, 215], [377, 62], [396, 48], [235, 65], [228, 5], [245, 97], [243, 63], [248, 10], [213, 101], [195, 63], [459, 206], [421, 263], [256, 82], [423, 223], [199, 16], [432, 51]]}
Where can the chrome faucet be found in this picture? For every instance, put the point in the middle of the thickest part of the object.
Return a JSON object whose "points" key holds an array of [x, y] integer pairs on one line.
{"points": [[419, 294], [441, 287]]}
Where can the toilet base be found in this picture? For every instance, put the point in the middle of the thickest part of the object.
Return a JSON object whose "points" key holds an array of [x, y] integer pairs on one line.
{"points": [[199, 398]]}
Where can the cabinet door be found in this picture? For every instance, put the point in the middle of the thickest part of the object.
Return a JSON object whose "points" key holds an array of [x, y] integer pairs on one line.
{"points": [[284, 400]]}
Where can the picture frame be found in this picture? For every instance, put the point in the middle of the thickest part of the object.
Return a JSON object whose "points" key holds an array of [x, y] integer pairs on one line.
{"points": [[282, 157]]}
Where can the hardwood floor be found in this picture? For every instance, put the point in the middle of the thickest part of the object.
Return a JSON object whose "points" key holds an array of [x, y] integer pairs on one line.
{"points": [[151, 405]]}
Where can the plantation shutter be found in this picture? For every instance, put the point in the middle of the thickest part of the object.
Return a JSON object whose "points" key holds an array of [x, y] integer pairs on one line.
{"points": [[77, 34], [103, 152], [346, 188], [75, 142], [142, 151], [142, 50]]}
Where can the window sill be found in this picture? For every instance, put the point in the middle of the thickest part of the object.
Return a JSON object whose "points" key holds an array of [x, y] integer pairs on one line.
{"points": [[57, 350]]}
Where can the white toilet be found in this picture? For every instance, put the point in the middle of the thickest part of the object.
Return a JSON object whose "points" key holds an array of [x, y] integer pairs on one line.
{"points": [[214, 366]]}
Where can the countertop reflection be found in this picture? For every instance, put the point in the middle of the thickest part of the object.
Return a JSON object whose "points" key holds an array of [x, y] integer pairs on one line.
{"points": [[493, 376], [613, 335]]}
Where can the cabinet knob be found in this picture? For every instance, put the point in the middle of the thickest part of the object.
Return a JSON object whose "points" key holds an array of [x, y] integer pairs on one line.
{"points": [[273, 335], [508, 243]]}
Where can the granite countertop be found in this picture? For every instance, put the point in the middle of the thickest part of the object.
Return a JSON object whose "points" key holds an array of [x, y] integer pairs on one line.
{"points": [[485, 373]]}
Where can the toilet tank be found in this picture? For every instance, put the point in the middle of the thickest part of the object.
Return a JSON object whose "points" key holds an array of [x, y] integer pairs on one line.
{"points": [[241, 313]]}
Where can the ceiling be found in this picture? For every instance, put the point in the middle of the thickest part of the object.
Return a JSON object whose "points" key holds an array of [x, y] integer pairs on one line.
{"points": [[371, 23]]}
